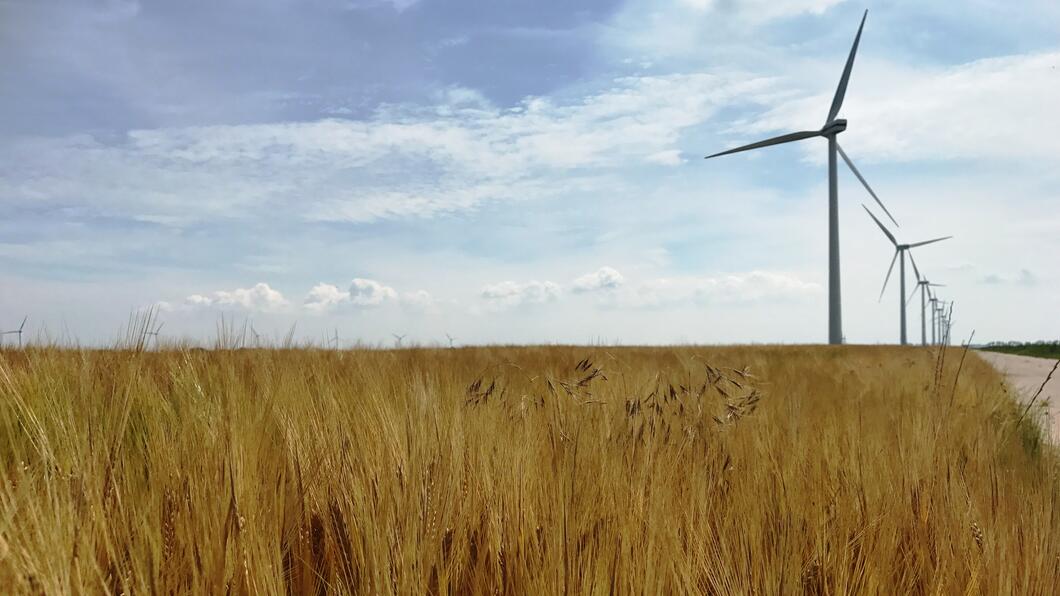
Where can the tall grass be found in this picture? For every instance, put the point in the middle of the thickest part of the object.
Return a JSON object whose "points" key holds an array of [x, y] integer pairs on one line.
{"points": [[519, 470]]}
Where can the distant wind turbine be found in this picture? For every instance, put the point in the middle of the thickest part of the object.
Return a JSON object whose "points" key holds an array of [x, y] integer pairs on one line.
{"points": [[451, 339], [397, 339], [942, 320], [947, 321], [17, 331], [155, 332], [939, 310], [832, 127], [924, 286], [900, 250]]}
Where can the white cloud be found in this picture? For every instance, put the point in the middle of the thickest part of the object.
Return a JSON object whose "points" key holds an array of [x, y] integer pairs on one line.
{"points": [[510, 294], [404, 161], [761, 10], [604, 278], [364, 293], [368, 292], [649, 31], [733, 288], [260, 297], [1024, 278], [419, 299], [324, 297], [996, 108]]}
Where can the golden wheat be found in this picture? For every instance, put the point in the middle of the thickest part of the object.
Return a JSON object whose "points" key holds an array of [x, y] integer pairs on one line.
{"points": [[520, 471]]}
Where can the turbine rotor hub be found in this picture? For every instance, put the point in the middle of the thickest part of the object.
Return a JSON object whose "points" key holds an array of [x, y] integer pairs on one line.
{"points": [[834, 127]]}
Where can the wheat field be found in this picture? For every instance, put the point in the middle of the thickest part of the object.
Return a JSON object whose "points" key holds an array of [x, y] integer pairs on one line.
{"points": [[520, 470]]}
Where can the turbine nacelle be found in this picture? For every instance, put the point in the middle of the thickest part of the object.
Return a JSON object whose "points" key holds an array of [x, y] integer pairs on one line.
{"points": [[834, 127]]}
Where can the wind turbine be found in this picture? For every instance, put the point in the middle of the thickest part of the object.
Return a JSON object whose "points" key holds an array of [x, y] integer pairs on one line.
{"points": [[899, 251], [940, 313], [941, 305], [924, 286], [832, 127], [397, 339], [934, 315], [451, 340], [947, 322], [154, 333], [18, 331]]}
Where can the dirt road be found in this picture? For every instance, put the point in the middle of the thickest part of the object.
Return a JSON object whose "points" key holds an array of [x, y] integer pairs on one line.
{"points": [[1025, 374]]}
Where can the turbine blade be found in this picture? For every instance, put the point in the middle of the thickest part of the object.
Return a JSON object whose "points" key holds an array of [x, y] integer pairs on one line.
{"points": [[913, 261], [937, 285], [889, 270], [841, 91], [882, 227], [916, 244], [788, 138], [864, 182], [910, 298], [24, 319]]}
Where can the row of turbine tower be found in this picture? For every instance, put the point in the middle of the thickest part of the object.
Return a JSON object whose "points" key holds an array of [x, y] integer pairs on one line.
{"points": [[941, 312]]}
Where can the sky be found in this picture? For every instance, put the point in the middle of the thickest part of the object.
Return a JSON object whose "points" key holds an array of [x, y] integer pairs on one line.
{"points": [[521, 172]]}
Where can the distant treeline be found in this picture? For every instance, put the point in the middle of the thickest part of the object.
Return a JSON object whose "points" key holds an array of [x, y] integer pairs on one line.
{"points": [[1041, 349]]}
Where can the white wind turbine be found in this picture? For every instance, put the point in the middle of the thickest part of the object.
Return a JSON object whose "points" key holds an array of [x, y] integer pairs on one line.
{"points": [[154, 333], [934, 316], [17, 331], [924, 286], [832, 127], [900, 250]]}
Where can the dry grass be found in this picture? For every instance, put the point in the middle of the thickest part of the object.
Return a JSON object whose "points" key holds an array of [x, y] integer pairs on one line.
{"points": [[519, 470]]}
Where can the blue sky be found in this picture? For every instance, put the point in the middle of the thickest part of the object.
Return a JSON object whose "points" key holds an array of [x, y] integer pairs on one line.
{"points": [[520, 171]]}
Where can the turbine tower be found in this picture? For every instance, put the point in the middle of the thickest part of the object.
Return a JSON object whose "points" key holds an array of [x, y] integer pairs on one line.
{"points": [[832, 127], [900, 250]]}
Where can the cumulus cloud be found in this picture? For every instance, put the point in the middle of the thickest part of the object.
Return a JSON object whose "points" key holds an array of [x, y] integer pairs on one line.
{"points": [[325, 297], [368, 292], [604, 278], [260, 297], [510, 294], [363, 293]]}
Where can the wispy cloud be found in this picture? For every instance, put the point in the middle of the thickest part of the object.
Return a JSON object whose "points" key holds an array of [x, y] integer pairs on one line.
{"points": [[406, 160], [996, 108], [1023, 278], [510, 294], [747, 287]]}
